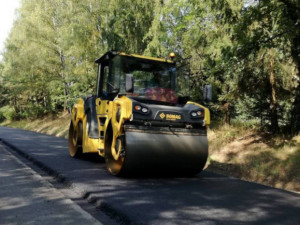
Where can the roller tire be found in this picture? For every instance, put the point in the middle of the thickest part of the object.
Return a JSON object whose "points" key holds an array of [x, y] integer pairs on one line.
{"points": [[75, 140], [112, 165]]}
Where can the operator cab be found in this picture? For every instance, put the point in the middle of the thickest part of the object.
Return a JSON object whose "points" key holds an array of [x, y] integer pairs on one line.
{"points": [[145, 79]]}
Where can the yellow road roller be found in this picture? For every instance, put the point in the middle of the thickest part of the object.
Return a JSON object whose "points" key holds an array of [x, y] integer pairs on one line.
{"points": [[140, 119]]}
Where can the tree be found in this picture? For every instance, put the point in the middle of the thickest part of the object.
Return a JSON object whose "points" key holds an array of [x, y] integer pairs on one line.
{"points": [[264, 36]]}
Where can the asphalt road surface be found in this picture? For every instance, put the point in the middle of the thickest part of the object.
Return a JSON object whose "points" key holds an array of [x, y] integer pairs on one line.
{"points": [[26, 198], [204, 199]]}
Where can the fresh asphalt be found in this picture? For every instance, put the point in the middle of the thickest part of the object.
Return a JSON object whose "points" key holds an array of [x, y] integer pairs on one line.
{"points": [[204, 199], [27, 198]]}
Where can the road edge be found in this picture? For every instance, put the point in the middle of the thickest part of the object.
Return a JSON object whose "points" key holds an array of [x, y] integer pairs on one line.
{"points": [[46, 183], [90, 198]]}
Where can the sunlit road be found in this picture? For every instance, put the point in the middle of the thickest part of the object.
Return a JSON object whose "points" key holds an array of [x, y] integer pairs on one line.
{"points": [[205, 199], [26, 198]]}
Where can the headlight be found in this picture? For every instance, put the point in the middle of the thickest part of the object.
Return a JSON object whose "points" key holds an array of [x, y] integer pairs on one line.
{"points": [[137, 107], [144, 110], [194, 114], [197, 114], [141, 109]]}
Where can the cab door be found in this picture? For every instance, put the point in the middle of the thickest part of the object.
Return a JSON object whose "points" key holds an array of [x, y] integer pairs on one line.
{"points": [[103, 105]]}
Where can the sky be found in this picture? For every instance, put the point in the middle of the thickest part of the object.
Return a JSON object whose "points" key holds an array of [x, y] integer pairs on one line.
{"points": [[7, 15]]}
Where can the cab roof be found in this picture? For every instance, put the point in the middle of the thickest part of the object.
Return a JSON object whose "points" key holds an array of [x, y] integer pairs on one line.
{"points": [[111, 54]]}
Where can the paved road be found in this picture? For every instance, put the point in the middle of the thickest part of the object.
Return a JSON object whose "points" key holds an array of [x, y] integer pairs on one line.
{"points": [[205, 199], [26, 198]]}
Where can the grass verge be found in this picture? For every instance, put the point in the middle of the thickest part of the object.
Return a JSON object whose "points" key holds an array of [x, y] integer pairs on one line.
{"points": [[56, 125], [252, 155]]}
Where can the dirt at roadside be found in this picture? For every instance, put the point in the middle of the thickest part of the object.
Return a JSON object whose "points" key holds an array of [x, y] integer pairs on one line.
{"points": [[56, 125], [255, 156]]}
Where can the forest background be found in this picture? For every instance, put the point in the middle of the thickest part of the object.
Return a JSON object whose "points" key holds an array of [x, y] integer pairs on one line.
{"points": [[248, 50]]}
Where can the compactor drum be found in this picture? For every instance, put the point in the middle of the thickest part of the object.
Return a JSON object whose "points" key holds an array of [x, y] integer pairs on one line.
{"points": [[140, 119]]}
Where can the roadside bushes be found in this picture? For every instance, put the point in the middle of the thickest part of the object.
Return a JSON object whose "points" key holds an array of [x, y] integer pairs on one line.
{"points": [[31, 111], [7, 113]]}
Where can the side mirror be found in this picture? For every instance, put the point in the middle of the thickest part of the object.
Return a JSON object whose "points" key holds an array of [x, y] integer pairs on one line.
{"points": [[129, 83], [207, 93]]}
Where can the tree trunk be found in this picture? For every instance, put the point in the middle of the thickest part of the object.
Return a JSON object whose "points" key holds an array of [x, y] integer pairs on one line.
{"points": [[62, 75], [295, 113], [293, 14], [273, 99], [226, 113]]}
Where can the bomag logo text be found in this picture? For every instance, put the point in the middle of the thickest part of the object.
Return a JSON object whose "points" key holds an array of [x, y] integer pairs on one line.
{"points": [[173, 117]]}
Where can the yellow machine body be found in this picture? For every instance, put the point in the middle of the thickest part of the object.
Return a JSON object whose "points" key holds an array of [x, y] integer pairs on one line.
{"points": [[162, 140], [106, 111]]}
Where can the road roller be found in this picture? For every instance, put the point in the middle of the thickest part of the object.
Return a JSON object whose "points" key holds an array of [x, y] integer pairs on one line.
{"points": [[141, 119]]}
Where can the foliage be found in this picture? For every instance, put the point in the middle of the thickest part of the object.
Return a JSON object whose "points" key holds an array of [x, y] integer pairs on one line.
{"points": [[7, 113], [249, 50]]}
